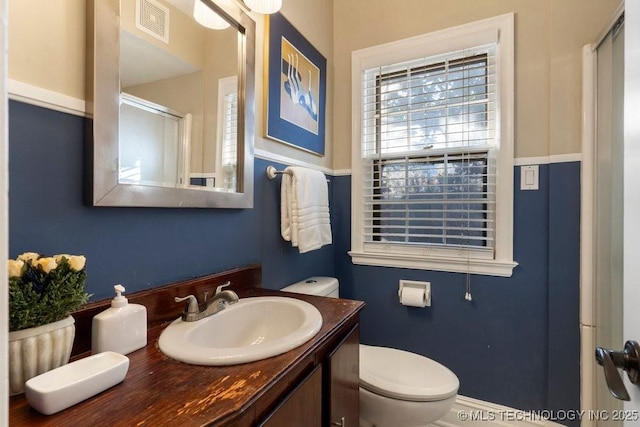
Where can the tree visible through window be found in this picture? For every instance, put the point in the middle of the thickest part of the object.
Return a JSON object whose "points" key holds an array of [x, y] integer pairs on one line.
{"points": [[417, 197], [432, 201]]}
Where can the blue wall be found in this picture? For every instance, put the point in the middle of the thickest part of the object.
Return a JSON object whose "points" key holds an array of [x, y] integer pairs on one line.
{"points": [[517, 343], [138, 247]]}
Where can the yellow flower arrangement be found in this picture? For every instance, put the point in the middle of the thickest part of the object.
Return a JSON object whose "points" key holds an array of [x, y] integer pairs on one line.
{"points": [[44, 289]]}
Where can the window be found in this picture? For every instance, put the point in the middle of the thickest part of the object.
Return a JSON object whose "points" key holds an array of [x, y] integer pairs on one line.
{"points": [[230, 141], [433, 151], [227, 165]]}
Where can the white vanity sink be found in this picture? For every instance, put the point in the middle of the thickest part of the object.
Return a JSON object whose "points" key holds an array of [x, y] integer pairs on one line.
{"points": [[249, 330]]}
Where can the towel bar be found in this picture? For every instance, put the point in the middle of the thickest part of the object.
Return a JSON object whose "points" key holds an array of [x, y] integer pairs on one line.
{"points": [[272, 172]]}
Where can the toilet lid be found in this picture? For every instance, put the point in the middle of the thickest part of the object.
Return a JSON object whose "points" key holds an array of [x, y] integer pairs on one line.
{"points": [[402, 375]]}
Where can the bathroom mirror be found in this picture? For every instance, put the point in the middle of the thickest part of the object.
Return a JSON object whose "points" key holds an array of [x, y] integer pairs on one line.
{"points": [[172, 103]]}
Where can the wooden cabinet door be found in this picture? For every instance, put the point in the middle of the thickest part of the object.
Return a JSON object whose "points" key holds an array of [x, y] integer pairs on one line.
{"points": [[302, 407], [342, 382]]}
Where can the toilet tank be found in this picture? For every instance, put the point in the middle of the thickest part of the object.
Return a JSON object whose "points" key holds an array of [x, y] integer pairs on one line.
{"points": [[318, 285]]}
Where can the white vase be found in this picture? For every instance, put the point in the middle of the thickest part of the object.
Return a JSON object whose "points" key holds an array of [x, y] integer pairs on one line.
{"points": [[34, 351]]}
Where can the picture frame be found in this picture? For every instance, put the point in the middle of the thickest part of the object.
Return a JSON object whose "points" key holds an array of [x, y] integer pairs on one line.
{"points": [[295, 88]]}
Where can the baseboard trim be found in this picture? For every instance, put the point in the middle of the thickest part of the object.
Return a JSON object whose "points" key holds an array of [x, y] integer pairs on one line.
{"points": [[469, 412]]}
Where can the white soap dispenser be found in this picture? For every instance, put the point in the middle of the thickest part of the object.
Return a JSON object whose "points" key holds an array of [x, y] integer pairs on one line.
{"points": [[121, 328]]}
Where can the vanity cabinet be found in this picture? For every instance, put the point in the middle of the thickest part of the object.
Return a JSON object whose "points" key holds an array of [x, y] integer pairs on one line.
{"points": [[342, 382], [302, 407], [328, 396], [315, 384]]}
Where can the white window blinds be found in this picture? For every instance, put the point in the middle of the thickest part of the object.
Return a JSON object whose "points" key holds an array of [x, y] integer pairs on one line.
{"points": [[230, 132], [230, 140], [428, 133]]}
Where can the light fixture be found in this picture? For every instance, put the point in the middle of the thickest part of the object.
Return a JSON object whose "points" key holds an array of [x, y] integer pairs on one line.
{"points": [[264, 6], [207, 17]]}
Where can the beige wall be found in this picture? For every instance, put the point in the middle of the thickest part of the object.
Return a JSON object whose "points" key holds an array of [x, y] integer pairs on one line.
{"points": [[549, 38], [47, 50], [47, 44]]}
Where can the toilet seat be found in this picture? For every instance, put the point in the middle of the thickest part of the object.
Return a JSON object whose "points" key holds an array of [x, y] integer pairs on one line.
{"points": [[403, 375]]}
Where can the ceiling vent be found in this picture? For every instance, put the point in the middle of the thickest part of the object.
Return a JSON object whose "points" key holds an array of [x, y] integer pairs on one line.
{"points": [[153, 18]]}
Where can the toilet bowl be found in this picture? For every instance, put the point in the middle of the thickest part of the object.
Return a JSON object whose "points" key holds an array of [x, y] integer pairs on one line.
{"points": [[397, 388]]}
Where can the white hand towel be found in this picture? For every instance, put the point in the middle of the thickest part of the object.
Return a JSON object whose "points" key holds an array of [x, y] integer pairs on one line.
{"points": [[304, 210]]}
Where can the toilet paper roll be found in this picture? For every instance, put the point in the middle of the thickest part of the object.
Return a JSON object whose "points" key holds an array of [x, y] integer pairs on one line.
{"points": [[413, 297]]}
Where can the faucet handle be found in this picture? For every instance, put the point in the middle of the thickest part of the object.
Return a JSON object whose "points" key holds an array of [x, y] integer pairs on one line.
{"points": [[192, 304], [224, 285]]}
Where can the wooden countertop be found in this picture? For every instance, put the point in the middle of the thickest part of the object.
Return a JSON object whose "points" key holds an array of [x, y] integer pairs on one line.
{"points": [[161, 391]]}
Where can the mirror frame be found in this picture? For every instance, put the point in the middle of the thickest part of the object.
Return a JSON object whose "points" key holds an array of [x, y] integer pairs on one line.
{"points": [[103, 106]]}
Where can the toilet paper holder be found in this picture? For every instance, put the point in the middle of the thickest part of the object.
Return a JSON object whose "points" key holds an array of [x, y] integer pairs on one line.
{"points": [[422, 286]]}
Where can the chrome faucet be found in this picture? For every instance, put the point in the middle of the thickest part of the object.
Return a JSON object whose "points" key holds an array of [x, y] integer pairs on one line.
{"points": [[217, 303]]}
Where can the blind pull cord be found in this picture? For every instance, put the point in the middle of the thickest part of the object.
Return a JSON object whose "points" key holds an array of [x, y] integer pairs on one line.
{"points": [[467, 294]]}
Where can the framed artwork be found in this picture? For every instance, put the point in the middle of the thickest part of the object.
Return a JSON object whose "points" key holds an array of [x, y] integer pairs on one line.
{"points": [[296, 86]]}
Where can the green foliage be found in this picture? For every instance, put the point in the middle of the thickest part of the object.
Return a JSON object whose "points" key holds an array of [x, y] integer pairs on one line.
{"points": [[38, 298]]}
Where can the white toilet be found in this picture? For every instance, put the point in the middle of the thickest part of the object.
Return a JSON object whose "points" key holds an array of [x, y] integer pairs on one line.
{"points": [[397, 388]]}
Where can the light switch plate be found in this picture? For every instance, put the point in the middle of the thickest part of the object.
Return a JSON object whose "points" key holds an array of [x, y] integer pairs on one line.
{"points": [[529, 177]]}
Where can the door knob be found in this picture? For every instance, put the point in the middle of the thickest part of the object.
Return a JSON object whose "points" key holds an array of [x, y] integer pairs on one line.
{"points": [[627, 359]]}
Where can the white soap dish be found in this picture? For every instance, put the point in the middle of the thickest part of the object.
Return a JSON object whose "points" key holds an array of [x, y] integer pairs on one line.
{"points": [[74, 382]]}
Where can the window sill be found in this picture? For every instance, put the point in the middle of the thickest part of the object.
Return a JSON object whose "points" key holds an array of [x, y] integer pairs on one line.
{"points": [[488, 267]]}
